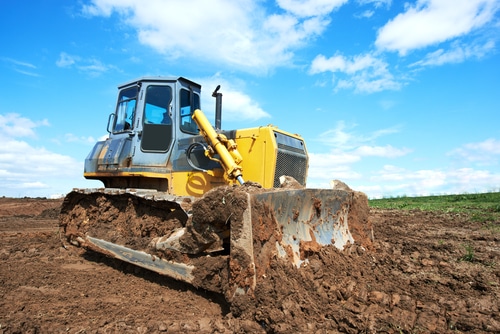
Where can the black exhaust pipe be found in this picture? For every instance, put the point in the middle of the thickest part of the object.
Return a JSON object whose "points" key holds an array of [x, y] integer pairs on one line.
{"points": [[218, 107]]}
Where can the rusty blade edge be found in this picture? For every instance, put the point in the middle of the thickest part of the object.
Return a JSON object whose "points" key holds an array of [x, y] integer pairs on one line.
{"points": [[179, 271]]}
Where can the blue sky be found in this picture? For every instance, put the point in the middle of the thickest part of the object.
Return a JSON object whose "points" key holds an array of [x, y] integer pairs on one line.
{"points": [[393, 98]]}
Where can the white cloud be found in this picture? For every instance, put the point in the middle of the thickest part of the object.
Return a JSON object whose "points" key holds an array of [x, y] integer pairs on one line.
{"points": [[422, 24], [31, 185], [95, 67], [395, 180], [348, 148], [376, 3], [66, 60], [240, 106], [307, 8], [366, 14], [21, 66], [28, 169], [34, 162], [335, 157], [469, 179], [31, 74], [429, 178], [485, 152], [387, 151], [364, 73], [232, 33], [19, 62], [429, 22], [71, 138], [456, 54], [15, 125], [236, 105], [338, 164], [343, 136], [91, 66], [339, 136], [324, 167], [392, 181]]}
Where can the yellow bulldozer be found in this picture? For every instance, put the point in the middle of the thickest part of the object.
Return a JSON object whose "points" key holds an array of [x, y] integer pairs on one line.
{"points": [[209, 207]]}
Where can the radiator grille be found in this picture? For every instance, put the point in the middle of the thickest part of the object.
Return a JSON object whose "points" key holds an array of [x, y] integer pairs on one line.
{"points": [[291, 159]]}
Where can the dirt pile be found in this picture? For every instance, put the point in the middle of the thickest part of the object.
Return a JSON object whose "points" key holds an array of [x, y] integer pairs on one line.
{"points": [[29, 208], [426, 272]]}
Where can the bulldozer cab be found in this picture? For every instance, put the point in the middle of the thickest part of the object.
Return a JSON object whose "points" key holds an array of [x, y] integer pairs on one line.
{"points": [[152, 108], [152, 114]]}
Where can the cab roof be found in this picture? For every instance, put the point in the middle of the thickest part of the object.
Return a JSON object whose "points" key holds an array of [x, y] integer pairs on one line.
{"points": [[159, 79]]}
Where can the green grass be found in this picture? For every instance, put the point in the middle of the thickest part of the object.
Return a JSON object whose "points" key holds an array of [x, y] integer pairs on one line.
{"points": [[483, 208], [469, 253]]}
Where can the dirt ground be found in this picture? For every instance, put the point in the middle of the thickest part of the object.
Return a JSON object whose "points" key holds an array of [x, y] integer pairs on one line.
{"points": [[426, 272]]}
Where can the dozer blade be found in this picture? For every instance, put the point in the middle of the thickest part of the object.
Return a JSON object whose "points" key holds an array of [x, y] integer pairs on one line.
{"points": [[178, 271], [230, 238]]}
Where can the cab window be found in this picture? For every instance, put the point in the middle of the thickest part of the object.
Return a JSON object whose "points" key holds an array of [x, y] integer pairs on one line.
{"points": [[125, 110], [157, 125], [156, 109], [189, 102]]}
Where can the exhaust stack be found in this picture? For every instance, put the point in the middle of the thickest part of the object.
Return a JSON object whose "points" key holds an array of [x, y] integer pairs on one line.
{"points": [[218, 107]]}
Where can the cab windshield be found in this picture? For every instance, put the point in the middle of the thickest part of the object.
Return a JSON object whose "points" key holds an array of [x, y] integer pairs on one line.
{"points": [[125, 110]]}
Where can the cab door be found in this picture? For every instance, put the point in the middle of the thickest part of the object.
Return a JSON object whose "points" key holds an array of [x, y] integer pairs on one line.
{"points": [[157, 122], [157, 133]]}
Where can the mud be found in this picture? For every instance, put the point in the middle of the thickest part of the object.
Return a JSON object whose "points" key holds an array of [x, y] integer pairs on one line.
{"points": [[230, 234], [424, 272]]}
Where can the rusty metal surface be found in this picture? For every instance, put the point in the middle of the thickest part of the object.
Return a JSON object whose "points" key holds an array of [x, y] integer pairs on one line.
{"points": [[314, 216], [242, 265], [178, 271]]}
